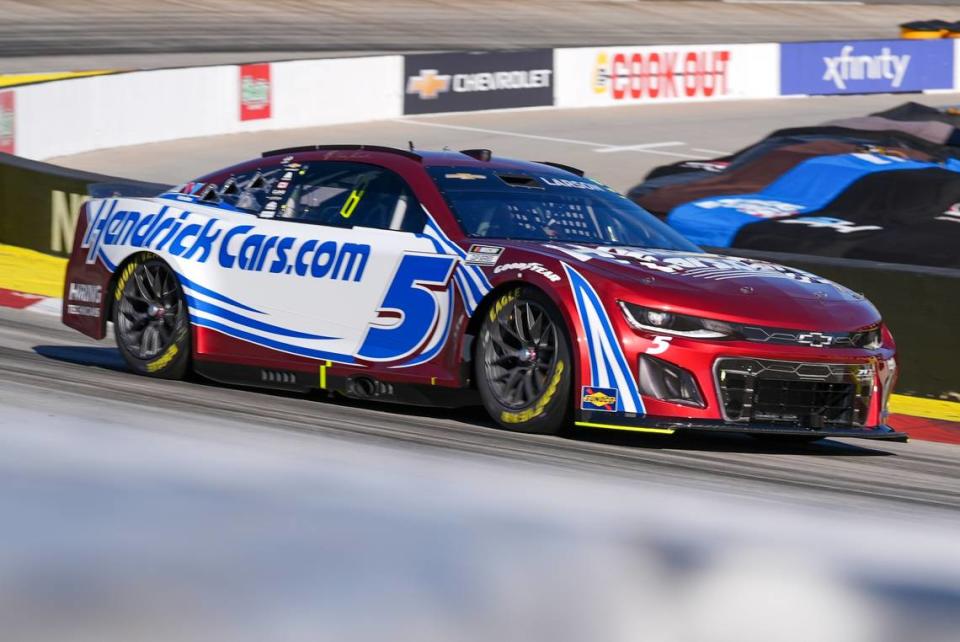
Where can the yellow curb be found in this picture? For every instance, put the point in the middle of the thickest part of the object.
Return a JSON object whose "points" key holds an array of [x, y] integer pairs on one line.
{"points": [[31, 272], [929, 408], [12, 80]]}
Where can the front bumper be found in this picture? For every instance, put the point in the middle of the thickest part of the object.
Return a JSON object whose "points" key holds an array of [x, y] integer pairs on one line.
{"points": [[670, 425]]}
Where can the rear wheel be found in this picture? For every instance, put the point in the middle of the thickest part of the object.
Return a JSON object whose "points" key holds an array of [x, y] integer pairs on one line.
{"points": [[150, 320], [523, 363]]}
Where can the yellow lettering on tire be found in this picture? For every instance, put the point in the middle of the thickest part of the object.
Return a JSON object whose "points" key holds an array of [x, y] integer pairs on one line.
{"points": [[164, 360], [124, 277], [524, 416], [502, 302]]}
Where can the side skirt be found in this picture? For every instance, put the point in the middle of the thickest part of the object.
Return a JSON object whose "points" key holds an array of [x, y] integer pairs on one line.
{"points": [[361, 387]]}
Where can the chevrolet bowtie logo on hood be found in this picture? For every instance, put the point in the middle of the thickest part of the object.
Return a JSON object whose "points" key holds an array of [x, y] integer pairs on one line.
{"points": [[429, 84]]}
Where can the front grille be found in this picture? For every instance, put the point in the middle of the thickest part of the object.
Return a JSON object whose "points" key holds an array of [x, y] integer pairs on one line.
{"points": [[862, 339], [800, 394]]}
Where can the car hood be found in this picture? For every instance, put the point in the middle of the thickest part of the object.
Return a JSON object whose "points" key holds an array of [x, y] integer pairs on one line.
{"points": [[724, 287]]}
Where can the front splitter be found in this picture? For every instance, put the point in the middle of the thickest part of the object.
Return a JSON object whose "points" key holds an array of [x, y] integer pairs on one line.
{"points": [[669, 425]]}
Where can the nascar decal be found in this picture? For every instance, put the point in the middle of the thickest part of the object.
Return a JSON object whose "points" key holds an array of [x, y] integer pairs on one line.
{"points": [[487, 255], [609, 370], [689, 264]]}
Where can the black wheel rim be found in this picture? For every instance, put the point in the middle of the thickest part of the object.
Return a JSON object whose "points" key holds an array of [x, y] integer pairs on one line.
{"points": [[149, 309], [520, 353]]}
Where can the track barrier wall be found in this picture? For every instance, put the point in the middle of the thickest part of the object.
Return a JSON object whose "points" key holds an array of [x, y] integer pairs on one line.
{"points": [[39, 202]]}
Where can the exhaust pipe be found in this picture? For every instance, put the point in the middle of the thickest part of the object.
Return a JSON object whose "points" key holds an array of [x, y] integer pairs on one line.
{"points": [[366, 388]]}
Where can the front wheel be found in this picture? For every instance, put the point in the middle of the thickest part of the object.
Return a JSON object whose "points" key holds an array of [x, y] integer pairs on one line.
{"points": [[523, 363], [150, 320]]}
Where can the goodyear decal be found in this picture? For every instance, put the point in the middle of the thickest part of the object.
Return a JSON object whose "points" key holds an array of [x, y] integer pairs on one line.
{"points": [[609, 369], [604, 399]]}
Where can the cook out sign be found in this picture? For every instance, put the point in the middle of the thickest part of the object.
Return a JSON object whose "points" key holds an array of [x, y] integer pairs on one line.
{"points": [[667, 74], [599, 76]]}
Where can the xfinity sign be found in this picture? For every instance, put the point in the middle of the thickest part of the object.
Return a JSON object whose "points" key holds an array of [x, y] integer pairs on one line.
{"points": [[865, 66], [847, 67]]}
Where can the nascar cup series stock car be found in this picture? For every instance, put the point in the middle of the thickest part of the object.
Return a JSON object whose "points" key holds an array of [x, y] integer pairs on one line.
{"points": [[451, 278]]}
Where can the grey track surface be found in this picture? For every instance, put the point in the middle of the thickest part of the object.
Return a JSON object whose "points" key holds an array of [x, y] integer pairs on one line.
{"points": [[579, 137], [42, 358], [138, 509], [54, 35]]}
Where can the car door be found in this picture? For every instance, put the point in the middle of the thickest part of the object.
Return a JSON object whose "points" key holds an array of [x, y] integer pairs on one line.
{"points": [[335, 264]]}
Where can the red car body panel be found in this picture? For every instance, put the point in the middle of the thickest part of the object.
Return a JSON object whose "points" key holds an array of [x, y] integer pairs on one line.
{"points": [[698, 285]]}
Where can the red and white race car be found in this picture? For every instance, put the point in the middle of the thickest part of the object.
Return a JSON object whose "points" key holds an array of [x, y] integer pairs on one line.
{"points": [[447, 277]]}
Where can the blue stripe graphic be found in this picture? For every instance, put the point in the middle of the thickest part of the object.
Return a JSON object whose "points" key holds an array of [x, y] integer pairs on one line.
{"points": [[196, 287], [808, 187], [215, 310], [270, 343], [604, 349]]}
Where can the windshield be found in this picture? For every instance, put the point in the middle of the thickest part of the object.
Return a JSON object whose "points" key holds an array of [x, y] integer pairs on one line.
{"points": [[510, 204]]}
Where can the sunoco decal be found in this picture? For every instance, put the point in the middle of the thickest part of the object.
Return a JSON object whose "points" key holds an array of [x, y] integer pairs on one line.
{"points": [[594, 398]]}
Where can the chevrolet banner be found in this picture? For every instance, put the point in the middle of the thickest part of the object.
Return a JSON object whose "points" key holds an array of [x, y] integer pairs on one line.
{"points": [[471, 81]]}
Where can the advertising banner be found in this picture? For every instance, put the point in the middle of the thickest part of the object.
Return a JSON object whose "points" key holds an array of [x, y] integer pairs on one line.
{"points": [[7, 134], [255, 92], [471, 81], [865, 66], [598, 76], [39, 202]]}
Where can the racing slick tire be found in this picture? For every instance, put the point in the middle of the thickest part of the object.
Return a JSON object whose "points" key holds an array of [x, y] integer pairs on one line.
{"points": [[150, 319], [523, 366]]}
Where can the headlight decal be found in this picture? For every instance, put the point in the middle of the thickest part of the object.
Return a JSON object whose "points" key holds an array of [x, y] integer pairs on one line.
{"points": [[659, 322], [608, 365], [662, 322]]}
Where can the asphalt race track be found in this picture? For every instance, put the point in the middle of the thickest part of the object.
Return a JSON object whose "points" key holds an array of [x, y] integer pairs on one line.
{"points": [[238, 473], [898, 480]]}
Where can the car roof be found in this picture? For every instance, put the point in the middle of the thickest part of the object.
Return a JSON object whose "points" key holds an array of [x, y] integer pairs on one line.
{"points": [[390, 156], [427, 158]]}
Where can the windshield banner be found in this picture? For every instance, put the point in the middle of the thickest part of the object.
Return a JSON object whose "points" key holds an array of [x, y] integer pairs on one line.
{"points": [[865, 66]]}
